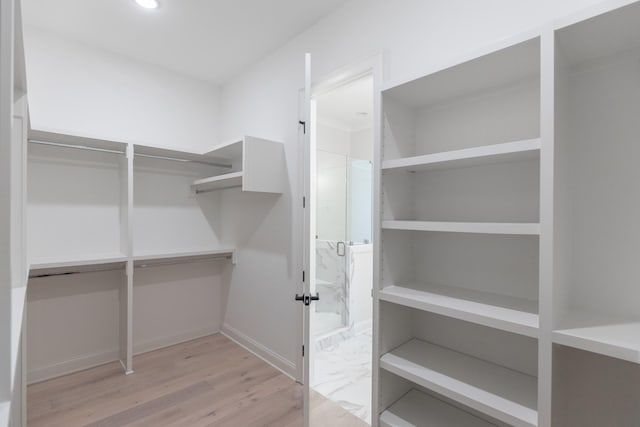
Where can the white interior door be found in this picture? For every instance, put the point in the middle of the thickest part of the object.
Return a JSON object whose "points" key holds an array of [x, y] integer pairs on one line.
{"points": [[309, 224]]}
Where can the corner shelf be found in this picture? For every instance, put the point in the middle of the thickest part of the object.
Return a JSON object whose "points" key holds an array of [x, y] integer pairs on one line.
{"points": [[498, 392], [464, 227], [610, 337], [419, 409], [516, 315], [488, 154], [183, 256], [179, 155], [257, 165]]}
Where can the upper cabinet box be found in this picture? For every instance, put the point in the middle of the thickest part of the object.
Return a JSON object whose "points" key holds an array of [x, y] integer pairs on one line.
{"points": [[257, 165]]}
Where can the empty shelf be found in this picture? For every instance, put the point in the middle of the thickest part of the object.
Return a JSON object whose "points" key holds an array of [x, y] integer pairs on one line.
{"points": [[419, 409], [218, 182], [609, 337], [66, 139], [75, 262], [509, 314], [488, 154], [501, 393], [179, 155], [465, 227], [140, 259]]}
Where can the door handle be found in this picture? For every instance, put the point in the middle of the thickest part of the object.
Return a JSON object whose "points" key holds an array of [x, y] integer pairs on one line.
{"points": [[344, 249], [306, 299]]}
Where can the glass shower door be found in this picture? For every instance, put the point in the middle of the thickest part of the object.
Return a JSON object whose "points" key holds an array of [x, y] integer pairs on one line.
{"points": [[331, 225]]}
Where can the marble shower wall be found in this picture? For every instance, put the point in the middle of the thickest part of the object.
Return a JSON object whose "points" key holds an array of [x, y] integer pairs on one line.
{"points": [[331, 280]]}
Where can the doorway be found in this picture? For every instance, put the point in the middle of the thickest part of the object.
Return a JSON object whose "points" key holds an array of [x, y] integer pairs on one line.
{"points": [[340, 327]]}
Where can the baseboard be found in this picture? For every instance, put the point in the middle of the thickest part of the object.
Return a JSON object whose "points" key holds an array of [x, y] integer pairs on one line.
{"points": [[162, 342], [360, 327], [92, 360], [285, 366], [70, 366]]}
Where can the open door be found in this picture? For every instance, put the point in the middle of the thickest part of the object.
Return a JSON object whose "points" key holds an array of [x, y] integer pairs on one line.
{"points": [[337, 248]]}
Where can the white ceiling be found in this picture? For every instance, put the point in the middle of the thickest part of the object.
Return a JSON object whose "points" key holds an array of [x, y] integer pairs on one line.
{"points": [[208, 39], [342, 107]]}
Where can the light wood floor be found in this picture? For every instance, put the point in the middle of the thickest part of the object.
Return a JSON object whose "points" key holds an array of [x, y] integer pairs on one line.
{"points": [[206, 382]]}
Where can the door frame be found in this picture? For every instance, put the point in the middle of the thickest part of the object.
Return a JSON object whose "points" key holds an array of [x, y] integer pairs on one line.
{"points": [[372, 65]]}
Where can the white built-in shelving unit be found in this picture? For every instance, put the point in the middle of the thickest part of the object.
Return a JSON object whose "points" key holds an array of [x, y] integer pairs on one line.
{"points": [[110, 209], [460, 228], [507, 291], [257, 166]]}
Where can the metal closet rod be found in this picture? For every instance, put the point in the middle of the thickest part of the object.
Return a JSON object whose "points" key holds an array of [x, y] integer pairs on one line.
{"points": [[105, 150], [69, 273]]}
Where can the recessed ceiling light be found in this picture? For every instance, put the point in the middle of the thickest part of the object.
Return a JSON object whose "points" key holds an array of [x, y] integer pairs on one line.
{"points": [[362, 113], [148, 4]]}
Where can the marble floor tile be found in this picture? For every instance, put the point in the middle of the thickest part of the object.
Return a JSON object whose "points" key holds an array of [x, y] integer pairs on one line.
{"points": [[343, 374]]}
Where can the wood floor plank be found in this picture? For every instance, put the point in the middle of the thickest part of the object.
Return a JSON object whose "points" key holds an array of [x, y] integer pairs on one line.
{"points": [[207, 382]]}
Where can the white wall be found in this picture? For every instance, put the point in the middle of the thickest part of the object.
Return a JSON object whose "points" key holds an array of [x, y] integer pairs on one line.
{"points": [[85, 90], [414, 35]]}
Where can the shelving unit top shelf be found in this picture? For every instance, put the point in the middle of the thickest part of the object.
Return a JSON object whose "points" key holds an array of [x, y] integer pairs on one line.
{"points": [[419, 409], [230, 149], [41, 264], [509, 314], [618, 338], [593, 38], [64, 138], [180, 155], [488, 154], [464, 227], [501, 393], [505, 67], [187, 255]]}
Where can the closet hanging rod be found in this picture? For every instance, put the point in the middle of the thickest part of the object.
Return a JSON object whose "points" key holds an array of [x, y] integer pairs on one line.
{"points": [[200, 258], [77, 147], [69, 273], [173, 159]]}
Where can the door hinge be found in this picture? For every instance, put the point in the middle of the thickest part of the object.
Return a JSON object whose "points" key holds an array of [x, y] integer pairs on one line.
{"points": [[302, 351], [304, 202], [303, 276], [304, 126]]}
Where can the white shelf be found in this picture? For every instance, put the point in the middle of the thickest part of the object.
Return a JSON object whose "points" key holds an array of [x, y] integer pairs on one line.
{"points": [[465, 227], [180, 155], [69, 262], [488, 154], [219, 182], [496, 311], [419, 409], [501, 393], [597, 334], [258, 165], [63, 138], [139, 259]]}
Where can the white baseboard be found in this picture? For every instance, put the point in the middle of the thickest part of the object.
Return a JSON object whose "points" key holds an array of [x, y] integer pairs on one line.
{"points": [[71, 366], [92, 360], [287, 367], [162, 342]]}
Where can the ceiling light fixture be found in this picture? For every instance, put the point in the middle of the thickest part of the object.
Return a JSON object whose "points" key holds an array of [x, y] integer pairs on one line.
{"points": [[148, 4]]}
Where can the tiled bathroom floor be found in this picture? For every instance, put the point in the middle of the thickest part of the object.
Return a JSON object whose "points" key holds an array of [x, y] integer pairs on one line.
{"points": [[343, 374]]}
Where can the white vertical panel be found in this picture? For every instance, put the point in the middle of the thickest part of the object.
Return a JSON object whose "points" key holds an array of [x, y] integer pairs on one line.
{"points": [[547, 51], [6, 249]]}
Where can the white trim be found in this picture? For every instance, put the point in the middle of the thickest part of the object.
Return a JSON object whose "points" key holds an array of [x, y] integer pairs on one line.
{"points": [[282, 364], [163, 342], [70, 366]]}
